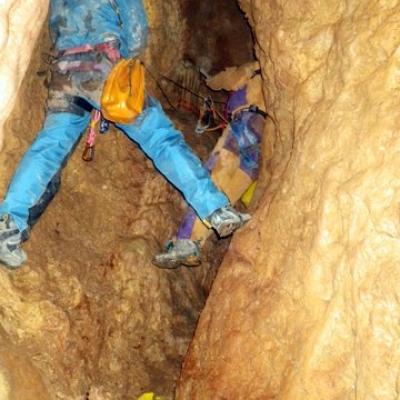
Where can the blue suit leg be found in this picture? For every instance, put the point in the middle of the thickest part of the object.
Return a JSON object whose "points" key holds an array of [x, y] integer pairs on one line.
{"points": [[37, 176], [165, 145]]}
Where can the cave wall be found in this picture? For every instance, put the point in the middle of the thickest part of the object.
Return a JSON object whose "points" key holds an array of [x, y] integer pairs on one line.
{"points": [[306, 303], [166, 41], [20, 25]]}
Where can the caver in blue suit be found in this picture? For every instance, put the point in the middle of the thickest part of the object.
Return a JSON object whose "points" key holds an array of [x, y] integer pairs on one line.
{"points": [[75, 23], [75, 26]]}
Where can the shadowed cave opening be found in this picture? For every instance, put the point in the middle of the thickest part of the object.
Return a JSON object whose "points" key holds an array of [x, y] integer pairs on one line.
{"points": [[104, 323]]}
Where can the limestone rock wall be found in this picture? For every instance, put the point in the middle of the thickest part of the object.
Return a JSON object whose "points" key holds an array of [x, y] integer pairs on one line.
{"points": [[20, 25], [306, 304]]}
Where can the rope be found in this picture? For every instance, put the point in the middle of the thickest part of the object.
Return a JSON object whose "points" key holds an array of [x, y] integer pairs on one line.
{"points": [[92, 128], [159, 86], [215, 128], [188, 90]]}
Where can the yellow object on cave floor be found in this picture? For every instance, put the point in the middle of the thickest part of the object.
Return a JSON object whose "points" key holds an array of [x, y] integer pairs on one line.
{"points": [[149, 396]]}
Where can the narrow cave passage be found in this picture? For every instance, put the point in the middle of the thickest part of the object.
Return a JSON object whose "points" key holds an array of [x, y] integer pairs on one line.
{"points": [[93, 316], [305, 303]]}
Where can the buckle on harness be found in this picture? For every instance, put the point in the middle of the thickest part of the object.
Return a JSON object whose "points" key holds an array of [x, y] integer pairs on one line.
{"points": [[251, 108], [255, 109], [82, 103]]}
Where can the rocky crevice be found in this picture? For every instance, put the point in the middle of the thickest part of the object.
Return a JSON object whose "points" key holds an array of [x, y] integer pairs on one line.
{"points": [[305, 303]]}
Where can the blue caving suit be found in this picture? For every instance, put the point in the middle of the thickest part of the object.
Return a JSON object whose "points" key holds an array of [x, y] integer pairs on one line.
{"points": [[123, 23]]}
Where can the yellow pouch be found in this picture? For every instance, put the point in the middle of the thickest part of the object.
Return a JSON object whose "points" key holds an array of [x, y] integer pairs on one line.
{"points": [[123, 94], [248, 194]]}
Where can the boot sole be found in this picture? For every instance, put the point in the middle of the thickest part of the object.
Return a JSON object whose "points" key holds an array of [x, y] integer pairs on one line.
{"points": [[10, 264], [170, 264], [228, 230]]}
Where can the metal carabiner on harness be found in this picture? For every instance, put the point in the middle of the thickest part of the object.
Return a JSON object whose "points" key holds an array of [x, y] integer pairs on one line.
{"points": [[207, 121], [206, 116], [104, 126]]}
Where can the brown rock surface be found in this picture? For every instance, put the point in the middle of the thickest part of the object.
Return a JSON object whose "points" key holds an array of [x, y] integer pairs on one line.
{"points": [[217, 36], [166, 33], [18, 378], [20, 25], [306, 304]]}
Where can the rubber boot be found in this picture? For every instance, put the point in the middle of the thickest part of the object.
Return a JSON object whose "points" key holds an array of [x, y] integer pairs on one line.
{"points": [[179, 252], [226, 220], [11, 254]]}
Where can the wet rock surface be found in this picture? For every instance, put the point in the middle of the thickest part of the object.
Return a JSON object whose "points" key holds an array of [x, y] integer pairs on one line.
{"points": [[306, 304]]}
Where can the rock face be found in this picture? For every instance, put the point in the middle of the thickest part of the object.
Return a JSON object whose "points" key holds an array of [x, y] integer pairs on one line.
{"points": [[166, 36], [306, 304], [20, 25], [215, 36], [18, 378]]}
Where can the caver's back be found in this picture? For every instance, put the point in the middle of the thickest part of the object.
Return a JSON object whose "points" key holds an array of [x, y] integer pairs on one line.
{"points": [[75, 23]]}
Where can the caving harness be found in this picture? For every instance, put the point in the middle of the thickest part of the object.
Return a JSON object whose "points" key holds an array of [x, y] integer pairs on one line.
{"points": [[123, 93], [209, 115]]}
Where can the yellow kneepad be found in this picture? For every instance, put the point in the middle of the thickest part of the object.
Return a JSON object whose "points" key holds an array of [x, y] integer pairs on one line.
{"points": [[248, 194]]}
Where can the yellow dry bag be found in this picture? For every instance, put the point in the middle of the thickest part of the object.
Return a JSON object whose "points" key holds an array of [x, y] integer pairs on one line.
{"points": [[123, 94]]}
